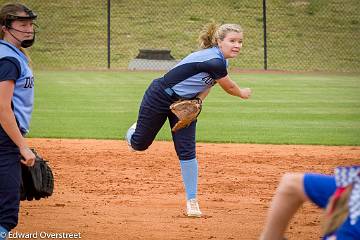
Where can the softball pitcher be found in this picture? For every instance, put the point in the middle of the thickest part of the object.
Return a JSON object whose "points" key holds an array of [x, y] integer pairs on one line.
{"points": [[191, 78], [16, 105]]}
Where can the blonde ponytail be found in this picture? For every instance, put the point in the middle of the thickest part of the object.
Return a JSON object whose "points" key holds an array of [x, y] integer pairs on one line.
{"points": [[207, 35], [27, 56]]}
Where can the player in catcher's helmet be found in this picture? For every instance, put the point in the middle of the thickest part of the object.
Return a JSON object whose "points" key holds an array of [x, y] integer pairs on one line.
{"points": [[191, 78], [16, 105]]}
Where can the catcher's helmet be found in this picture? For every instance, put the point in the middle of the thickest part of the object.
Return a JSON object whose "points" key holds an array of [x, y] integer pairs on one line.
{"points": [[12, 17]]}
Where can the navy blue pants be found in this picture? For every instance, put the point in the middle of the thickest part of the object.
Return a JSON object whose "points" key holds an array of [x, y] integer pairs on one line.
{"points": [[10, 178], [154, 110]]}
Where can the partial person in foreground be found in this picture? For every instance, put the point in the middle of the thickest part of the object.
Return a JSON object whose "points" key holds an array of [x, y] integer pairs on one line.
{"points": [[338, 193], [16, 105], [192, 78]]}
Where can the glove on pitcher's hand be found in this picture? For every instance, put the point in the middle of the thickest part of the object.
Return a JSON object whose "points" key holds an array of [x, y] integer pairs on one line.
{"points": [[37, 181], [186, 111]]}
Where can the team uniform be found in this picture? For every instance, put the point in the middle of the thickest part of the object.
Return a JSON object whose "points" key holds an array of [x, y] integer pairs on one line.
{"points": [[186, 80], [319, 188], [14, 65], [194, 74]]}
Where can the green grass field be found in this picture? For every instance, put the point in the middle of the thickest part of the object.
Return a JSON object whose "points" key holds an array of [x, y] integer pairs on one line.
{"points": [[284, 109]]}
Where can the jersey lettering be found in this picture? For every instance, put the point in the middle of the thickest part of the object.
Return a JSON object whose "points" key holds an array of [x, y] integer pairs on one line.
{"points": [[209, 80], [29, 82]]}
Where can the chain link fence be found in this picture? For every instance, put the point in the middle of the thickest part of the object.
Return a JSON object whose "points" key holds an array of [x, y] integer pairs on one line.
{"points": [[314, 35], [305, 35]]}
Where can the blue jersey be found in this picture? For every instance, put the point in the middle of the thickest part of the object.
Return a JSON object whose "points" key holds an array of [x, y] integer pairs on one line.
{"points": [[196, 72], [15, 66], [319, 188]]}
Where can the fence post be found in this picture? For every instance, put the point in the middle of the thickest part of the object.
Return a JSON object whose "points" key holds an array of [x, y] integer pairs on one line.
{"points": [[265, 34], [108, 33]]}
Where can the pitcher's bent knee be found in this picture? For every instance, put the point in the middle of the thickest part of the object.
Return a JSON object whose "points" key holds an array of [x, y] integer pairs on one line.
{"points": [[139, 146]]}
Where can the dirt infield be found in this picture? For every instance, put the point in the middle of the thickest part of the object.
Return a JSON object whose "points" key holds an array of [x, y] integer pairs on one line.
{"points": [[103, 191]]}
